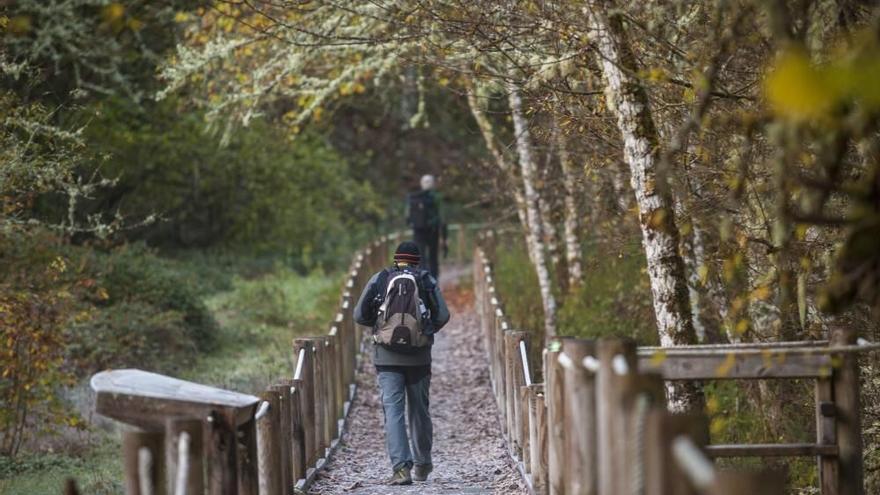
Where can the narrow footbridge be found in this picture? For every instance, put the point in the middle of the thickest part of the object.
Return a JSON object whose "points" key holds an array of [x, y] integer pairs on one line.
{"points": [[596, 423]]}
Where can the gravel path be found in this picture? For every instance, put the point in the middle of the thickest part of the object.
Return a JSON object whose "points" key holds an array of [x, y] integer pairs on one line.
{"points": [[469, 453]]}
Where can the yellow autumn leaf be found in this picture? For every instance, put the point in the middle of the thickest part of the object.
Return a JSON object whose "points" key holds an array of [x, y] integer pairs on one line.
{"points": [[112, 12], [703, 272], [797, 90], [760, 293], [725, 367]]}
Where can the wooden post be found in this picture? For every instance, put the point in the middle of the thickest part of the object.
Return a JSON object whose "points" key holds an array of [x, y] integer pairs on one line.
{"points": [[517, 381], [307, 396], [849, 425], [298, 451], [320, 399], [538, 439], [269, 439], [826, 434], [248, 474], [190, 459], [525, 393], [579, 419], [613, 355], [759, 483], [143, 458], [280, 394], [663, 476], [640, 393], [500, 359], [221, 455], [554, 399], [327, 369]]}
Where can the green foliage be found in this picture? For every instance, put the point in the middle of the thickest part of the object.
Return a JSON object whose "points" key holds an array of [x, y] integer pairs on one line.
{"points": [[261, 193], [144, 312], [258, 318], [615, 300]]}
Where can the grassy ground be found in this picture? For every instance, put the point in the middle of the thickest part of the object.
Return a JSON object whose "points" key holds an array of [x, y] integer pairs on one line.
{"points": [[257, 318]]}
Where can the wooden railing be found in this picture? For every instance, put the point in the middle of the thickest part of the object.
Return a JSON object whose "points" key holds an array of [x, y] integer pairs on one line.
{"points": [[189, 439], [599, 424]]}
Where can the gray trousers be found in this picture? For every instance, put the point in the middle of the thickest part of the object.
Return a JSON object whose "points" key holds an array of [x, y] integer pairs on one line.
{"points": [[404, 391]]}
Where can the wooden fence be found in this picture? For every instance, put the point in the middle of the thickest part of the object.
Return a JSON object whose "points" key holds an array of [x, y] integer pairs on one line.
{"points": [[598, 424], [186, 438]]}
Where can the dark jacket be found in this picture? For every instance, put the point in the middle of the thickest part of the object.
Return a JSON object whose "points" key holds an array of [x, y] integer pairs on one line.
{"points": [[366, 312]]}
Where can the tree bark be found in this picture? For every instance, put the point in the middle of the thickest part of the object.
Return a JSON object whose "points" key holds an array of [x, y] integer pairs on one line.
{"points": [[571, 227], [534, 231], [629, 101]]}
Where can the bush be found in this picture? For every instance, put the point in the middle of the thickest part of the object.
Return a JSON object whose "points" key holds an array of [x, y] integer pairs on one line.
{"points": [[615, 300], [145, 312]]}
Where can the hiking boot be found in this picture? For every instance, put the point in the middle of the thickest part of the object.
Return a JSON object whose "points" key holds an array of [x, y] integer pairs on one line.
{"points": [[421, 472], [401, 477]]}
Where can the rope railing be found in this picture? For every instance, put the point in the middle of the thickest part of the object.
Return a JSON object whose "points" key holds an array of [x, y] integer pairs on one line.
{"points": [[598, 422]]}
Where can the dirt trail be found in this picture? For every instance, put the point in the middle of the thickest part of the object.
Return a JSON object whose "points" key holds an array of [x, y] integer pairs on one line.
{"points": [[469, 453]]}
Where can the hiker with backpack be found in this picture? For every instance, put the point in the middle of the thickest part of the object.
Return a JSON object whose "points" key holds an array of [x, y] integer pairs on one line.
{"points": [[404, 307], [425, 217]]}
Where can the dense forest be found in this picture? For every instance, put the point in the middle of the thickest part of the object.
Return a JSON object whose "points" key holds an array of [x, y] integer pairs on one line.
{"points": [[175, 174]]}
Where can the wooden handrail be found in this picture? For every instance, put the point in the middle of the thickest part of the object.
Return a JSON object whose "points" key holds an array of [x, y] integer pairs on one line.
{"points": [[567, 419]]}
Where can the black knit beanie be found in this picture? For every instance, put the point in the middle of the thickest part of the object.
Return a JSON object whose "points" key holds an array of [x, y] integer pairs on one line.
{"points": [[407, 252]]}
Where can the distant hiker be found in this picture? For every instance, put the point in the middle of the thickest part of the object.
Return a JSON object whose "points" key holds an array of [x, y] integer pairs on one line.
{"points": [[425, 216], [405, 308]]}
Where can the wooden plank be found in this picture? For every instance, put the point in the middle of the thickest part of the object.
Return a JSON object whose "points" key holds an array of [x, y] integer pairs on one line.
{"points": [[538, 439], [145, 399], [849, 425], [736, 366], [307, 397], [611, 425], [524, 397], [221, 455], [759, 483], [826, 434], [580, 420], [144, 463], [663, 475], [193, 458], [555, 401], [771, 450], [298, 433], [248, 472], [280, 393], [269, 447]]}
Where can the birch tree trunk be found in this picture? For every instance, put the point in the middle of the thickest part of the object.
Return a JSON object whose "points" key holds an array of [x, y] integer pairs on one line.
{"points": [[571, 226], [528, 170], [501, 161], [628, 99]]}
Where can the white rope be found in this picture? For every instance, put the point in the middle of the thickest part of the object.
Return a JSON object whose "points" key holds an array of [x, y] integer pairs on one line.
{"points": [[693, 462], [299, 364], [145, 468], [591, 364], [494, 301], [565, 361], [619, 365], [262, 410], [525, 362], [182, 463]]}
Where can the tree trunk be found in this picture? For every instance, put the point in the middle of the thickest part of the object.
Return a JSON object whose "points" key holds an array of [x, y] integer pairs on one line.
{"points": [[501, 161], [660, 235], [533, 232], [572, 212]]}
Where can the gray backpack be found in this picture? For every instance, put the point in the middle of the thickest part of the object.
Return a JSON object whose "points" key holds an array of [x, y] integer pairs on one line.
{"points": [[399, 323]]}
